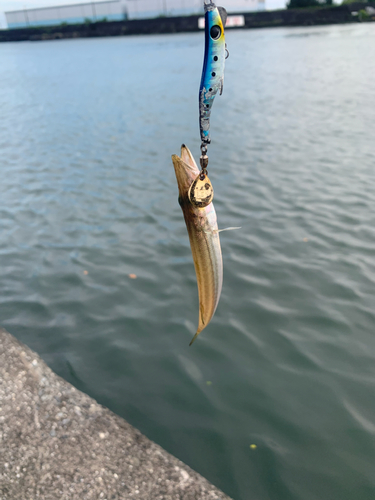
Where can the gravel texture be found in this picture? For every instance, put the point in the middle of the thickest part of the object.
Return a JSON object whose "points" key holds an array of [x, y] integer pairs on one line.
{"points": [[57, 443]]}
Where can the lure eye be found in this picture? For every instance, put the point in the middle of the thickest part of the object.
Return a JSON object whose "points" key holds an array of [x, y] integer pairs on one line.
{"points": [[215, 32]]}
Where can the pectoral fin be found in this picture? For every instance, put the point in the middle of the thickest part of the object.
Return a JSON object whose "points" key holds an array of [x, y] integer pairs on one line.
{"points": [[228, 229], [216, 231]]}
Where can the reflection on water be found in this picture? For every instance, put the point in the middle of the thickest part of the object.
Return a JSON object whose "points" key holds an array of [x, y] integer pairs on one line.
{"points": [[88, 197]]}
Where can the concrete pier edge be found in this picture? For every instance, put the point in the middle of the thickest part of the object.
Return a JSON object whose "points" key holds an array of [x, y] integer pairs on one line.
{"points": [[58, 443]]}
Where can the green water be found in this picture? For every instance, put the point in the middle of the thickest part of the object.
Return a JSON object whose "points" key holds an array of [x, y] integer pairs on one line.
{"points": [[88, 196]]}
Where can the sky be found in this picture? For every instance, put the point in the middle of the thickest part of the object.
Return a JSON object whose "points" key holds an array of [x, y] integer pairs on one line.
{"points": [[6, 5]]}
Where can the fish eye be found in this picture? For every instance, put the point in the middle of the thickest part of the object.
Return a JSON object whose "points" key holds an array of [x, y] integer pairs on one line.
{"points": [[215, 32]]}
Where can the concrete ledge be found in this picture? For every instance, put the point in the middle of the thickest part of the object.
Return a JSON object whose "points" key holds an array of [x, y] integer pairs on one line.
{"points": [[58, 443]]}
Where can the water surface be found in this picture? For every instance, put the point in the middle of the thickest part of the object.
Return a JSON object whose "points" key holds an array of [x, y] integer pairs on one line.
{"points": [[88, 196]]}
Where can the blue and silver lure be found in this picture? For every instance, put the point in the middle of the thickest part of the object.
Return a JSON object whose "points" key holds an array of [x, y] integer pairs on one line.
{"points": [[201, 191], [213, 65]]}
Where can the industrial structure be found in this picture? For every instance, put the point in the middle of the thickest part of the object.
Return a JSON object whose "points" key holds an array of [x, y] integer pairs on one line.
{"points": [[117, 10]]}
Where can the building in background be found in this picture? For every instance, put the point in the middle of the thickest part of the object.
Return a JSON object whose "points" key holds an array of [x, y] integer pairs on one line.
{"points": [[112, 10], [117, 10], [141, 9]]}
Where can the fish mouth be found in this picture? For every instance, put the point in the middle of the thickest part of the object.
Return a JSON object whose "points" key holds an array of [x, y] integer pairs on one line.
{"points": [[186, 170], [187, 157]]}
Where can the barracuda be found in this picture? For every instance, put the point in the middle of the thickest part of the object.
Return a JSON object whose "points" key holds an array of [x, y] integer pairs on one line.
{"points": [[204, 239]]}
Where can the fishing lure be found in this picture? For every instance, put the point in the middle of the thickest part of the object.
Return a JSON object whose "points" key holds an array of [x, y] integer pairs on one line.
{"points": [[212, 81], [215, 53]]}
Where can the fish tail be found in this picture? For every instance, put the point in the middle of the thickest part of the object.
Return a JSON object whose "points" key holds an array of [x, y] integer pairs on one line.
{"points": [[195, 336]]}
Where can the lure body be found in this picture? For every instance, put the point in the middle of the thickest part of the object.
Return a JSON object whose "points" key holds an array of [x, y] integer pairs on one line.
{"points": [[213, 65], [201, 224]]}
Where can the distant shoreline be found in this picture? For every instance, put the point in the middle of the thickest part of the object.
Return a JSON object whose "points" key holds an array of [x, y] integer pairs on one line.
{"points": [[341, 14]]}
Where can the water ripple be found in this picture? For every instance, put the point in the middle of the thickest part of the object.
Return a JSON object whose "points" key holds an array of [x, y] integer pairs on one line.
{"points": [[96, 268]]}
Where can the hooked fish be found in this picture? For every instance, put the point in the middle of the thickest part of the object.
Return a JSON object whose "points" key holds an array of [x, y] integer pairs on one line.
{"points": [[215, 53], [201, 224]]}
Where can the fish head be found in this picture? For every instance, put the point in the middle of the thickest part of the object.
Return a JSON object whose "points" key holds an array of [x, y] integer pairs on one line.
{"points": [[186, 171], [193, 186]]}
